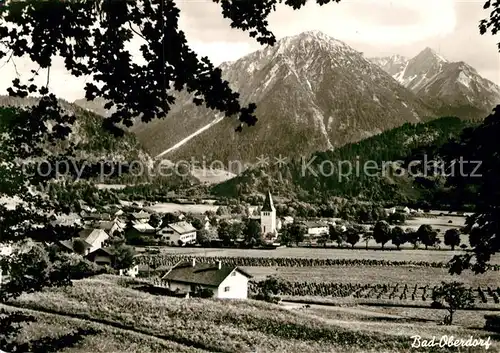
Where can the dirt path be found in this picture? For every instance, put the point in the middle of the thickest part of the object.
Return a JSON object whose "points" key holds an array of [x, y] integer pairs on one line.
{"points": [[352, 310]]}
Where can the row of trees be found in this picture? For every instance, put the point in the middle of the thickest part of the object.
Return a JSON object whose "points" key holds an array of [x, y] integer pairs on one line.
{"points": [[381, 233]]}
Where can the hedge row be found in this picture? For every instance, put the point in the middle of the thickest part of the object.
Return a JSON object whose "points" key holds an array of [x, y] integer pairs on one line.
{"points": [[161, 260]]}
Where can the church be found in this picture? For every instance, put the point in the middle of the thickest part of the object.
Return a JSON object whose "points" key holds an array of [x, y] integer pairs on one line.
{"points": [[268, 216]]}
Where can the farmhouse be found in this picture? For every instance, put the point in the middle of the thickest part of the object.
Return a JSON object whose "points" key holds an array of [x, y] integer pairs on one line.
{"points": [[401, 209], [101, 256], [205, 221], [142, 217], [67, 220], [315, 228], [94, 237], [177, 233], [131, 272], [96, 216], [111, 227], [229, 282], [67, 246]]}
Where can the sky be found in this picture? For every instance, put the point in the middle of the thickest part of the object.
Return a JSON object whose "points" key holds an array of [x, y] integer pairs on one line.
{"points": [[374, 27]]}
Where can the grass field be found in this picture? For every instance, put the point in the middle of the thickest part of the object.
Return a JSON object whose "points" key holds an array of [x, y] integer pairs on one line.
{"points": [[124, 316], [59, 333]]}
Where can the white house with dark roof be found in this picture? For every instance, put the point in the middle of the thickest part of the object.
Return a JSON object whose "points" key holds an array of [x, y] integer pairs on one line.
{"points": [[228, 282], [179, 232], [316, 228]]}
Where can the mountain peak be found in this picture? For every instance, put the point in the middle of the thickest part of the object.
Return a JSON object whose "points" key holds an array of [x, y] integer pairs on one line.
{"points": [[431, 53], [312, 36]]}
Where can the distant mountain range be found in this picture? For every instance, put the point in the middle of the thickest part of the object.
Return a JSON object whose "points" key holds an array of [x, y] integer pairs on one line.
{"points": [[315, 93], [451, 88]]}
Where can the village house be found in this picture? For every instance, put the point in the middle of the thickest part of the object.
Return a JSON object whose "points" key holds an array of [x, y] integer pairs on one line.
{"points": [[287, 220], [142, 217], [139, 229], [179, 233], [131, 272], [85, 207], [101, 256], [205, 221], [315, 228], [229, 282], [403, 209], [67, 246], [67, 220], [94, 237], [111, 227], [88, 217]]}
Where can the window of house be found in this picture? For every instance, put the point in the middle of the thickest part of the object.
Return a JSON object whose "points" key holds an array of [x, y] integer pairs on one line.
{"points": [[226, 289], [233, 274]]}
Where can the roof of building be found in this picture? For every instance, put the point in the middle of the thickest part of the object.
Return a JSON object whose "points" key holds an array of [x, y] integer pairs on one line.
{"points": [[95, 235], [90, 235], [141, 215], [144, 228], [68, 244], [104, 251], [182, 227], [105, 216], [268, 205], [107, 225], [314, 224], [201, 273]]}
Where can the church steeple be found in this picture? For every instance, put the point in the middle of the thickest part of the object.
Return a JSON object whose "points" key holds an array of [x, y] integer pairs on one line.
{"points": [[268, 205], [268, 216]]}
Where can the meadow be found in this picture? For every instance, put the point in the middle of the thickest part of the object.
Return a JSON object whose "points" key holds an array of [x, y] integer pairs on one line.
{"points": [[111, 307]]}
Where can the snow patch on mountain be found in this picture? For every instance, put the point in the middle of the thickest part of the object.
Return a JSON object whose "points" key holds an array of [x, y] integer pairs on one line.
{"points": [[464, 80], [443, 84]]}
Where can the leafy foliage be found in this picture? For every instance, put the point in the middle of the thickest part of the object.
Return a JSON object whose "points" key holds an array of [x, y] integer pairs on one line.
{"points": [[452, 238], [382, 233], [427, 235], [477, 177], [456, 296]]}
